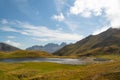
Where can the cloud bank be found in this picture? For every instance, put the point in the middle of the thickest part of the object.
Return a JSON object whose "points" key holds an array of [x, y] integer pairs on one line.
{"points": [[107, 8], [40, 33]]}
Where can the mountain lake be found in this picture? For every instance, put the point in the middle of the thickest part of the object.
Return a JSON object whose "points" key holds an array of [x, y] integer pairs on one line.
{"points": [[55, 60]]}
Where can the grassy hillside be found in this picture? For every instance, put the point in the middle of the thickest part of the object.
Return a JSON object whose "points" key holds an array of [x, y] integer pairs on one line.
{"points": [[54, 71], [106, 42], [24, 53]]}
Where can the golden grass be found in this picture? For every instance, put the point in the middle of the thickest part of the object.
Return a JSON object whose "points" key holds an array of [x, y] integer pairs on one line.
{"points": [[24, 53], [54, 71]]}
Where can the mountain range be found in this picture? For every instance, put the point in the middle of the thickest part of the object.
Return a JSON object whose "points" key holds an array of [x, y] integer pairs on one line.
{"points": [[50, 47], [107, 42], [7, 47]]}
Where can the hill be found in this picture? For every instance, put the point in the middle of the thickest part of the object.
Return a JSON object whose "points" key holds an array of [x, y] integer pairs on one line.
{"points": [[104, 43], [24, 54], [7, 47], [50, 47]]}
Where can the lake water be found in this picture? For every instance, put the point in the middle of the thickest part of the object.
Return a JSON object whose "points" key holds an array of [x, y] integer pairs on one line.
{"points": [[55, 60]]}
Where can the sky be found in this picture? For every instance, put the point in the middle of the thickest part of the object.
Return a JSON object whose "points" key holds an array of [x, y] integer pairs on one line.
{"points": [[24, 23]]}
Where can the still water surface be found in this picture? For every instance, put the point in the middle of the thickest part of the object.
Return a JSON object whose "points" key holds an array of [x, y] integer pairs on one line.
{"points": [[55, 60]]}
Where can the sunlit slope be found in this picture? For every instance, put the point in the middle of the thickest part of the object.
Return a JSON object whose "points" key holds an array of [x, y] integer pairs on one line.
{"points": [[106, 42], [24, 54]]}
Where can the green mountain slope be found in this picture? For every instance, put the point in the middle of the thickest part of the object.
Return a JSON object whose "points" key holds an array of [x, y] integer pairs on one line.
{"points": [[106, 42]]}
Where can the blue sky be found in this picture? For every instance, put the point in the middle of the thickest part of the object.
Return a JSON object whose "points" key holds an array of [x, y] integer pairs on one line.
{"points": [[24, 23]]}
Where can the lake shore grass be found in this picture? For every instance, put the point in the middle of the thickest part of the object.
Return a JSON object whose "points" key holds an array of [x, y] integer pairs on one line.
{"points": [[31, 54], [55, 71]]}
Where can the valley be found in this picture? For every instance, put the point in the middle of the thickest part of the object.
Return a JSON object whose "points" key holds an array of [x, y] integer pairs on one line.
{"points": [[59, 39], [95, 57]]}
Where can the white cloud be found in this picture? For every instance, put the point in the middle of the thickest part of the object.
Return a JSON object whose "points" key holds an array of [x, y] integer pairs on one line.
{"points": [[41, 33], [16, 44], [11, 29], [98, 31], [63, 6], [11, 37], [87, 14], [87, 8], [8, 28], [68, 22], [59, 17]]}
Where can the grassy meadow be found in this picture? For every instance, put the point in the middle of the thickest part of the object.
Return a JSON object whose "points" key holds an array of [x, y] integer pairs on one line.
{"points": [[54, 71], [24, 54], [31, 54]]}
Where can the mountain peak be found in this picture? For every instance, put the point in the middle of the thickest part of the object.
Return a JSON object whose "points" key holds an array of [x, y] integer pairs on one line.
{"points": [[7, 47], [113, 29], [50, 47], [105, 42], [63, 44]]}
